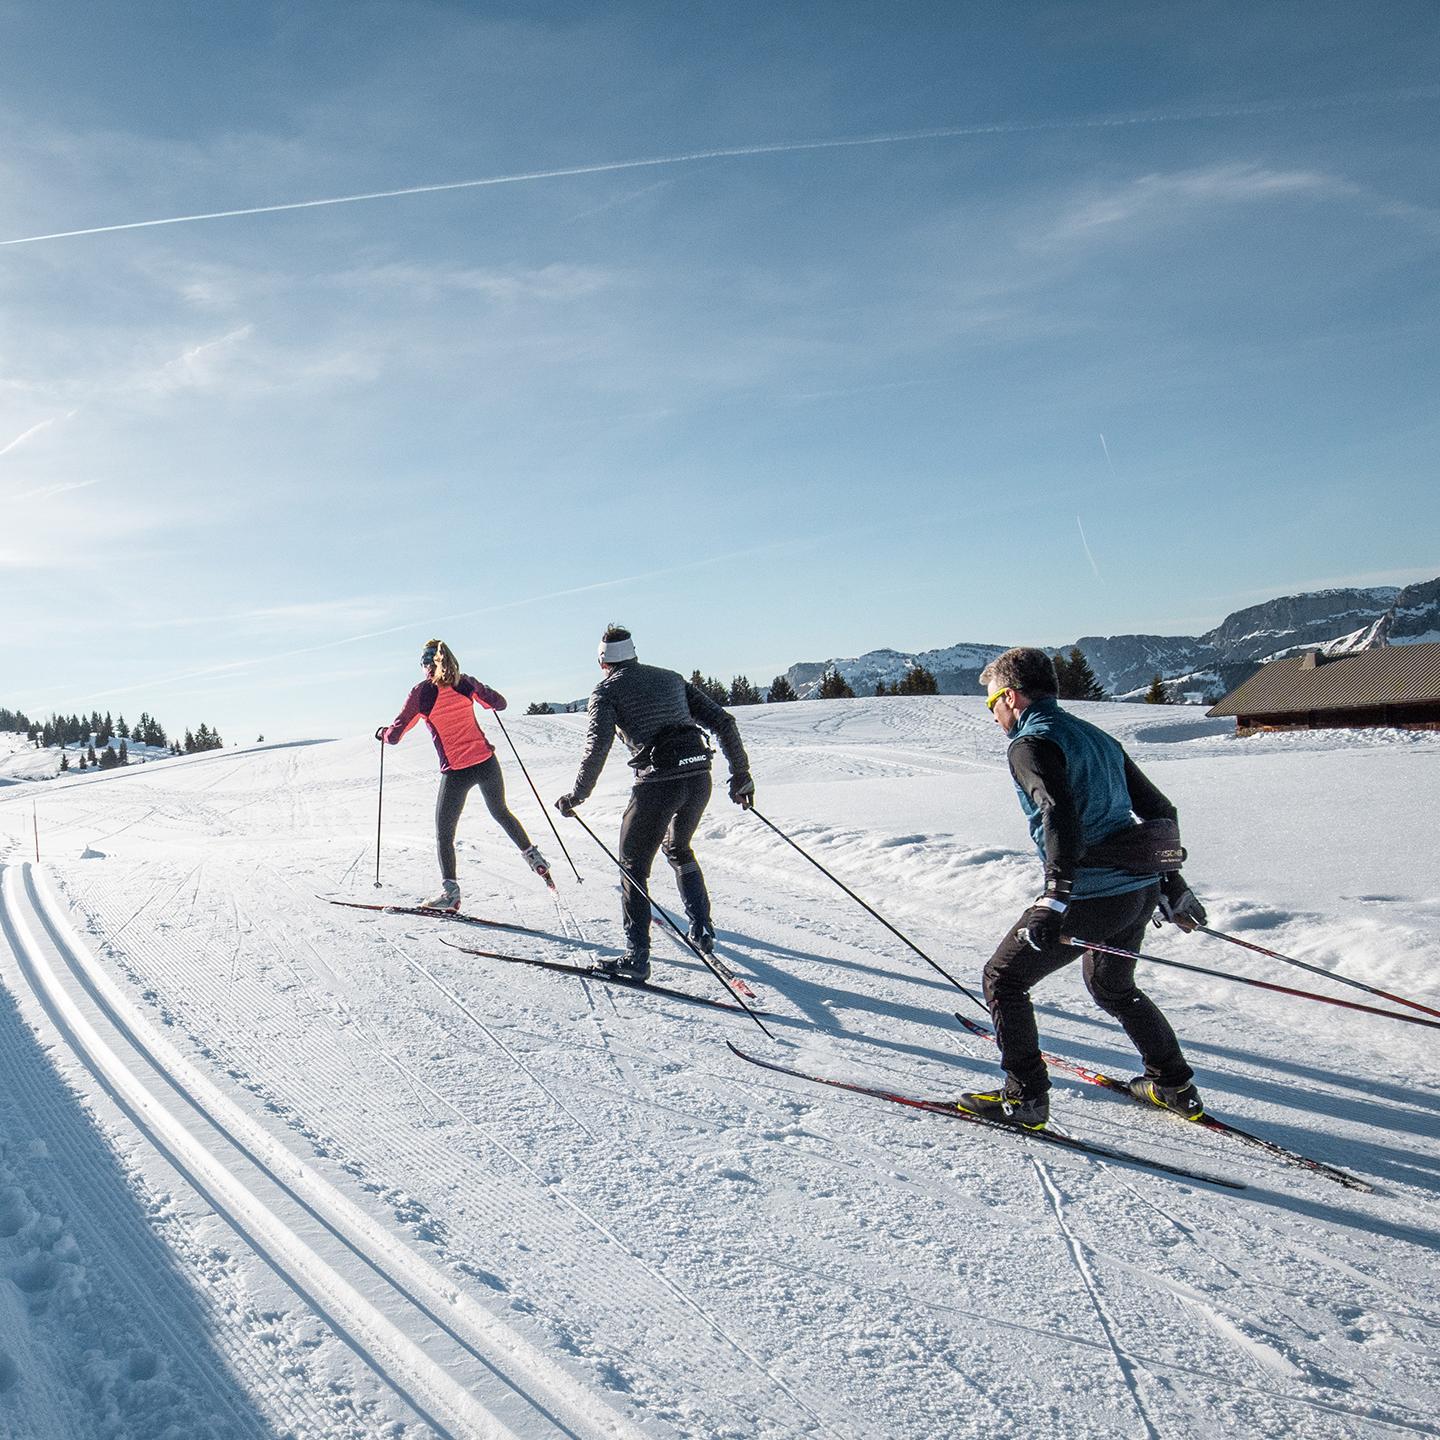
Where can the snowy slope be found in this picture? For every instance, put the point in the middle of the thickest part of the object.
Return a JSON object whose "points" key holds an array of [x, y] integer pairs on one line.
{"points": [[268, 1166]]}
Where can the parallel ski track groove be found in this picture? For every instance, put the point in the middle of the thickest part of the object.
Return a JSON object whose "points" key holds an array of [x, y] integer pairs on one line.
{"points": [[583, 1256], [323, 1307]]}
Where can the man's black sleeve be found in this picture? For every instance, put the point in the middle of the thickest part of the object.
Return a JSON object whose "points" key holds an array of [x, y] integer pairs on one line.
{"points": [[1039, 770], [1146, 799]]}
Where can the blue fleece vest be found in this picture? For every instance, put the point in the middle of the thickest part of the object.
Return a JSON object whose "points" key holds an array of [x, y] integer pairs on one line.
{"points": [[1095, 764]]}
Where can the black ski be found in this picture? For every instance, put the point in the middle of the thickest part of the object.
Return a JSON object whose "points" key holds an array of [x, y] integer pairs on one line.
{"points": [[434, 914], [589, 972], [947, 1108], [1205, 1122]]}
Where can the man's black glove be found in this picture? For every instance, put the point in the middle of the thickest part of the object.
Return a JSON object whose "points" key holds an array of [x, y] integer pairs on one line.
{"points": [[1043, 923], [1041, 926], [381, 733], [742, 791], [1179, 905], [566, 804]]}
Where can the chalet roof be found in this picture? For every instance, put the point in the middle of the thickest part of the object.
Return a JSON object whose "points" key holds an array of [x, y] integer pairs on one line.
{"points": [[1390, 675]]}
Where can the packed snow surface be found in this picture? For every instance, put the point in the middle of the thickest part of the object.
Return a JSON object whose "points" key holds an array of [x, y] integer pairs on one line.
{"points": [[269, 1167]]}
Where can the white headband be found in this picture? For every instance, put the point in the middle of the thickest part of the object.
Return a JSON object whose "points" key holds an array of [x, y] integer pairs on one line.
{"points": [[613, 651]]}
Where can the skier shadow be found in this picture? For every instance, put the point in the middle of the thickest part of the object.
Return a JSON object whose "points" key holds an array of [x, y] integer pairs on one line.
{"points": [[818, 1003], [1373, 1157], [1393, 1106], [1365, 1222]]}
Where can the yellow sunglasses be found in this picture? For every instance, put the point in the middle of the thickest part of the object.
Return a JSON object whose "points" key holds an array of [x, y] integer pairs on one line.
{"points": [[996, 698]]}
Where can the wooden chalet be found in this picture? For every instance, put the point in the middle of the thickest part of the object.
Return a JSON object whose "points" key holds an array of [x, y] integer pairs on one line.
{"points": [[1397, 685]]}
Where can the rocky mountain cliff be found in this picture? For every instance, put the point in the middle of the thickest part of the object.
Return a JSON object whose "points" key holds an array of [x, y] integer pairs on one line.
{"points": [[1197, 667]]}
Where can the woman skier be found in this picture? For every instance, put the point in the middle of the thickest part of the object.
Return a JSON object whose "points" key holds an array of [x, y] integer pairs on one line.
{"points": [[445, 699]]}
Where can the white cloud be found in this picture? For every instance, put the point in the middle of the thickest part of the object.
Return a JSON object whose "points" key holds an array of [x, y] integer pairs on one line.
{"points": [[1157, 198]]}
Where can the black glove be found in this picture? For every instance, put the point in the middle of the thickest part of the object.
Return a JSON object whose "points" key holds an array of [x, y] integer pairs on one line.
{"points": [[1041, 926], [566, 804], [1179, 905], [381, 733], [742, 791]]}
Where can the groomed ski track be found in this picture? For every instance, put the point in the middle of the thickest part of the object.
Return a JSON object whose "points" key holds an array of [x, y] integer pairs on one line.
{"points": [[272, 1168], [456, 1368]]}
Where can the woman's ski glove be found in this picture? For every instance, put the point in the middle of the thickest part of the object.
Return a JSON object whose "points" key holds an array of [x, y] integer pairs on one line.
{"points": [[742, 791], [1179, 905], [566, 805]]}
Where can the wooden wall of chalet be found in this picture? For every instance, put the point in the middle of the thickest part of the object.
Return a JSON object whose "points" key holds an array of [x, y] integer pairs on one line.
{"points": [[1424, 716]]}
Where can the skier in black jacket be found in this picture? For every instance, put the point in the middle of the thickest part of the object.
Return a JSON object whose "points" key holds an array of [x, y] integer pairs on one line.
{"points": [[660, 717], [1081, 794]]}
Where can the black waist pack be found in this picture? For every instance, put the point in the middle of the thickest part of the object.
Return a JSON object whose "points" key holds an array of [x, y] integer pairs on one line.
{"points": [[1150, 848], [682, 748]]}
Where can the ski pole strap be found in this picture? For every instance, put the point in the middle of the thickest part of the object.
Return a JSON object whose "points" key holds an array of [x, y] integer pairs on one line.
{"points": [[544, 809], [664, 914], [939, 969], [1317, 970], [1246, 980]]}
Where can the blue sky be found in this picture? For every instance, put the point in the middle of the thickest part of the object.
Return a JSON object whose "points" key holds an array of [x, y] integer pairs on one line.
{"points": [[763, 407]]}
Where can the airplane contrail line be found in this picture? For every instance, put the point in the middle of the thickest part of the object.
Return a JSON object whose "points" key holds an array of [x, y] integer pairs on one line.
{"points": [[785, 147]]}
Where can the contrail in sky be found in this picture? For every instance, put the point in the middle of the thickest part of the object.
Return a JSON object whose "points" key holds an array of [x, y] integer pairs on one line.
{"points": [[1108, 460], [1086, 544], [24, 435], [790, 147]]}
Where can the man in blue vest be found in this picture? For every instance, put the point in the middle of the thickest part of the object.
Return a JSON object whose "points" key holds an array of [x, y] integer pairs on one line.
{"points": [[1078, 788]]}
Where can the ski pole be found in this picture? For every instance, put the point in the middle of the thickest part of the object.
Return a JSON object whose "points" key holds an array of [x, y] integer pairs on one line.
{"points": [[544, 808], [1246, 980], [665, 916], [974, 999], [1317, 970], [379, 805]]}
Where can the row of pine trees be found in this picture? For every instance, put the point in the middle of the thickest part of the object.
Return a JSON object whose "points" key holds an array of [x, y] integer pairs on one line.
{"points": [[96, 732], [1077, 682]]}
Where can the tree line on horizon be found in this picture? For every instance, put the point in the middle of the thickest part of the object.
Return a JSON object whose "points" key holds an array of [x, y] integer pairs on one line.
{"points": [[1076, 677], [94, 732]]}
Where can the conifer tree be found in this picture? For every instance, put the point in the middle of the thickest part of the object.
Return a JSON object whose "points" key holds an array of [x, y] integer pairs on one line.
{"points": [[64, 761], [781, 689], [742, 692], [538, 707], [918, 681], [834, 686], [124, 753], [1157, 694], [1077, 679], [881, 688], [122, 729]]}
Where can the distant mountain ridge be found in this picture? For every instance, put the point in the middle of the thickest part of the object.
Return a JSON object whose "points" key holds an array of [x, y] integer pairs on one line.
{"points": [[1195, 667]]}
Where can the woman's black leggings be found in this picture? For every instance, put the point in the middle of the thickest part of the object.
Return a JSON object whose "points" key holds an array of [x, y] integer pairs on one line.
{"points": [[455, 785]]}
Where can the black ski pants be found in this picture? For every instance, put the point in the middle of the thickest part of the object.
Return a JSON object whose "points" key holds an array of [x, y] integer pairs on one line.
{"points": [[662, 813], [1118, 920], [455, 786]]}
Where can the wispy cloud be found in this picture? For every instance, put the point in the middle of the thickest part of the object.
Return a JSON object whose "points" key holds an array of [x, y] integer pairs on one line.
{"points": [[46, 492], [35, 430], [1163, 197], [548, 284]]}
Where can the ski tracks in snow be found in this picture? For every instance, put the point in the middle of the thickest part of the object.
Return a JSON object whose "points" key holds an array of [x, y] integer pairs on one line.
{"points": [[457, 1368]]}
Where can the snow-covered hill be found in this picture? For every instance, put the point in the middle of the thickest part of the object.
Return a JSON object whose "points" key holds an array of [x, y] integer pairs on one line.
{"points": [[1203, 665], [272, 1167]]}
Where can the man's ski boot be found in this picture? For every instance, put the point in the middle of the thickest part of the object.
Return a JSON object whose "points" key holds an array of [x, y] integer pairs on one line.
{"points": [[702, 937], [1008, 1106], [1181, 1100], [538, 863], [448, 899], [632, 965]]}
